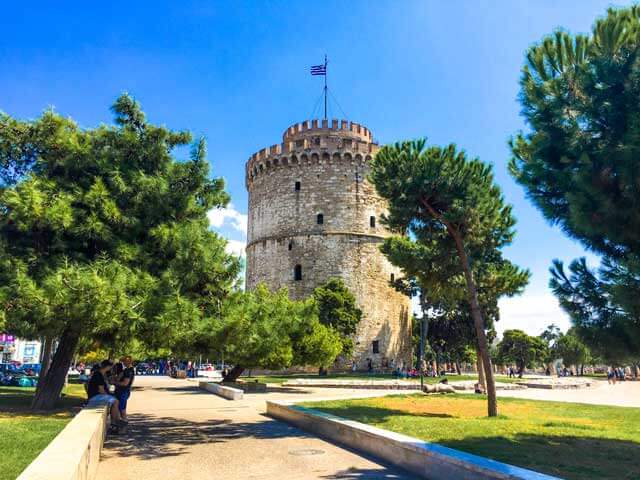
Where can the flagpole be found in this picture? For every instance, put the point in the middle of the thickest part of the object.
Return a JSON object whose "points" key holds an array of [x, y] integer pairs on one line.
{"points": [[325, 87]]}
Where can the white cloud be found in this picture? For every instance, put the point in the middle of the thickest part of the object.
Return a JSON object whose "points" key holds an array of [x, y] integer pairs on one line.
{"points": [[236, 247], [230, 217], [531, 313]]}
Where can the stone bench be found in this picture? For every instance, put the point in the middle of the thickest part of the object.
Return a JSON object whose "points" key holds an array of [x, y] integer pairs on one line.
{"points": [[75, 452], [427, 460], [222, 391]]}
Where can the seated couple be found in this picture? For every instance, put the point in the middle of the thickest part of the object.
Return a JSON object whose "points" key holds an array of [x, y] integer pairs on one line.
{"points": [[121, 376]]}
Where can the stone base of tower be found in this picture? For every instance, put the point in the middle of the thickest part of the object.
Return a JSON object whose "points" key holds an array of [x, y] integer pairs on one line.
{"points": [[384, 333]]}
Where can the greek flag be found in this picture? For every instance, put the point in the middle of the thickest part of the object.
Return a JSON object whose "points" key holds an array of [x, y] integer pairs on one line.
{"points": [[319, 69]]}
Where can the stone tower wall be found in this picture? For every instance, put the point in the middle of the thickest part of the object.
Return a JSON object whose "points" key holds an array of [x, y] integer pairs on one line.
{"points": [[330, 160]]}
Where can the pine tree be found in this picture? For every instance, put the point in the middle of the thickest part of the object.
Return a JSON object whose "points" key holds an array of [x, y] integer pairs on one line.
{"points": [[104, 235], [579, 165], [456, 221], [522, 349], [269, 330], [337, 309]]}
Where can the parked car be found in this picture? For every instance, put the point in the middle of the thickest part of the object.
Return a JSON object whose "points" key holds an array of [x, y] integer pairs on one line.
{"points": [[144, 368], [17, 379], [8, 368], [31, 368]]}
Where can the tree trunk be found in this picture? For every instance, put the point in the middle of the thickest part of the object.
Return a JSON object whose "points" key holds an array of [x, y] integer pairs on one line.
{"points": [[233, 374], [476, 314], [50, 385], [458, 368], [47, 347], [481, 379]]}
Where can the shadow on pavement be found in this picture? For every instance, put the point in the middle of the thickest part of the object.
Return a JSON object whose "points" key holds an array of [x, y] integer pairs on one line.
{"points": [[149, 436], [181, 389], [288, 390], [367, 473]]}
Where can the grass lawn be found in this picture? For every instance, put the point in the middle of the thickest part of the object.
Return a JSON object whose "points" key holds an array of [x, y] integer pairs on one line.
{"points": [[24, 433], [573, 441], [364, 376]]}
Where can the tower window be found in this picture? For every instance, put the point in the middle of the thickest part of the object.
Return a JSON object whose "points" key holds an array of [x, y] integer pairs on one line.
{"points": [[320, 219], [297, 272], [375, 346], [297, 186], [291, 245], [372, 221]]}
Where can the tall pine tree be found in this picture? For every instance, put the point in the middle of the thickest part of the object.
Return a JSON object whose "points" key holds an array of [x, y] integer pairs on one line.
{"points": [[104, 234], [579, 165], [456, 213]]}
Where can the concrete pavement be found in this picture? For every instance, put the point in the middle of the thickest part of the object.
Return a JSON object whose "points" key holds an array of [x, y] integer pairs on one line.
{"points": [[179, 432], [622, 394]]}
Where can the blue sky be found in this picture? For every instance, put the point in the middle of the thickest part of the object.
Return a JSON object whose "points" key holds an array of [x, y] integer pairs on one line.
{"points": [[237, 73]]}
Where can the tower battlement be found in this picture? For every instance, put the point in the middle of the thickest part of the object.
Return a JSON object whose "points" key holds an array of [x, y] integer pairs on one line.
{"points": [[326, 126], [314, 141]]}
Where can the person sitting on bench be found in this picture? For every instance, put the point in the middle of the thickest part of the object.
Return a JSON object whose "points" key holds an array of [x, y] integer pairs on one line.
{"points": [[98, 393]]}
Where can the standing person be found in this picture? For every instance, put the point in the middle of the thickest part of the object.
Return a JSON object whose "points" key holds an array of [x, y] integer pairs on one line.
{"points": [[124, 384], [98, 393]]}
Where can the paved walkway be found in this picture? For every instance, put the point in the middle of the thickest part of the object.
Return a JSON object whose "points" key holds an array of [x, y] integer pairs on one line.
{"points": [[622, 394], [177, 432]]}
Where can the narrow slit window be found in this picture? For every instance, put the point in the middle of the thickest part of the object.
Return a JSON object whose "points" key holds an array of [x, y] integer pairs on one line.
{"points": [[297, 186], [376, 346], [290, 245], [372, 221], [297, 273], [320, 219], [393, 278]]}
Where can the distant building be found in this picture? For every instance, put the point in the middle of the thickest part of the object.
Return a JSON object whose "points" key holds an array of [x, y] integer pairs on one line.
{"points": [[314, 215], [17, 349]]}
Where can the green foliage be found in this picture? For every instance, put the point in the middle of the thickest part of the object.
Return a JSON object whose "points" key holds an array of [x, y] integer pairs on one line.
{"points": [[522, 349], [580, 96], [104, 234], [610, 332], [452, 223], [572, 350], [269, 330], [550, 337], [430, 189], [337, 309]]}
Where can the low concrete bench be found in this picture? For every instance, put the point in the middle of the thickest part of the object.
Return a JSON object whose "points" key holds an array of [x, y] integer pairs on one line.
{"points": [[222, 391], [428, 460], [75, 452]]}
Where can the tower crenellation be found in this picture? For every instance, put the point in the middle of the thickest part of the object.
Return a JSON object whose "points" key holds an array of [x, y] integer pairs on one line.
{"points": [[331, 138], [313, 215]]}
